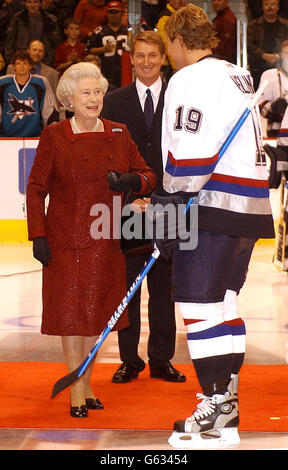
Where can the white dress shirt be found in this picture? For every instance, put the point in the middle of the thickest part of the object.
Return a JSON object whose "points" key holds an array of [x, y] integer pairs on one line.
{"points": [[155, 92]]}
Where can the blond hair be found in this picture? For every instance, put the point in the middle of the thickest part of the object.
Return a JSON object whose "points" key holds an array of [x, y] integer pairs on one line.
{"points": [[192, 25]]}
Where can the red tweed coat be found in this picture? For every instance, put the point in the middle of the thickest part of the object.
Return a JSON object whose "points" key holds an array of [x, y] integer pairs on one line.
{"points": [[85, 280]]}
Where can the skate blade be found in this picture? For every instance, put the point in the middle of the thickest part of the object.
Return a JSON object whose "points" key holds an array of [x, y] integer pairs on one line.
{"points": [[226, 437]]}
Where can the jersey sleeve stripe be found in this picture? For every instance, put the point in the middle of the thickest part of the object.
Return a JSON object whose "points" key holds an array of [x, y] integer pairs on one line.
{"points": [[283, 133], [190, 167], [238, 189], [239, 180], [192, 161]]}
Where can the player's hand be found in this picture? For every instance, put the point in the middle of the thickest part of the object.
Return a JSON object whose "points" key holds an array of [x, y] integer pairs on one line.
{"points": [[139, 205]]}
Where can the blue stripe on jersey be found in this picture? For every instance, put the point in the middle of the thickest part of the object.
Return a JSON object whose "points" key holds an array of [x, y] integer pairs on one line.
{"points": [[216, 332], [238, 330], [241, 190], [283, 133], [189, 170]]}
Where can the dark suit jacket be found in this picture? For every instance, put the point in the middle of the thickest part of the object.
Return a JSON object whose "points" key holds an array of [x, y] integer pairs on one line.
{"points": [[123, 105]]}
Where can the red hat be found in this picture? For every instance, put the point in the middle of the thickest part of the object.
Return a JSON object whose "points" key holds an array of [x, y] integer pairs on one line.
{"points": [[114, 6]]}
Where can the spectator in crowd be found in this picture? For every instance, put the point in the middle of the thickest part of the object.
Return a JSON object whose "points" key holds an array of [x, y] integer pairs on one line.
{"points": [[27, 101], [95, 59], [150, 11], [7, 9], [63, 9], [273, 101], [70, 51], [225, 23], [90, 14], [36, 50], [264, 36], [109, 42], [254, 8], [29, 24], [127, 105], [173, 5]]}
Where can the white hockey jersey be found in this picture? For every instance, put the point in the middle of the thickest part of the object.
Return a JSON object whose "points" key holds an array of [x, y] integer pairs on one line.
{"points": [[277, 88], [203, 102]]}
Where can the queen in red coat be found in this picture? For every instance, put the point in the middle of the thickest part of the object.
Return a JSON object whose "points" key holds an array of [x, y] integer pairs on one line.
{"points": [[83, 276]]}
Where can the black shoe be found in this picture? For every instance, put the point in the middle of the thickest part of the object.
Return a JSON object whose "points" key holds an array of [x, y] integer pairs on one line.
{"points": [[94, 404], [79, 411], [124, 374], [167, 372]]}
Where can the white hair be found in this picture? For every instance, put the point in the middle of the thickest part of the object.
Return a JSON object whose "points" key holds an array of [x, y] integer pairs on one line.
{"points": [[68, 81]]}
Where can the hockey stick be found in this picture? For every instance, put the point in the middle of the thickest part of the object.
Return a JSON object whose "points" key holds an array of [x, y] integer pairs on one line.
{"points": [[71, 378]]}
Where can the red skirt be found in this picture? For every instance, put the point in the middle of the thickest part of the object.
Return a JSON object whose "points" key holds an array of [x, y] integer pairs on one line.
{"points": [[82, 289]]}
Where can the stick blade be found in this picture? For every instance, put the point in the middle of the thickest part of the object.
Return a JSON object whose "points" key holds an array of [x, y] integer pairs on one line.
{"points": [[65, 382]]}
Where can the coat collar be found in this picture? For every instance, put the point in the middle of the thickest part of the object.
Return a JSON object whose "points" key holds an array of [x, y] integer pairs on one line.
{"points": [[110, 129]]}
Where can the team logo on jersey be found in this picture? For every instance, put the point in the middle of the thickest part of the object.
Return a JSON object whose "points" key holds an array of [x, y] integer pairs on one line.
{"points": [[20, 108]]}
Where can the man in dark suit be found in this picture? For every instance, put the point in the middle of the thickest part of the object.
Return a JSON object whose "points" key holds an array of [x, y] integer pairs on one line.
{"points": [[128, 105]]}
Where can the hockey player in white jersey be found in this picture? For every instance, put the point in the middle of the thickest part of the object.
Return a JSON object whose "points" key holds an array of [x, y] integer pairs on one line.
{"points": [[274, 99], [203, 101], [279, 155]]}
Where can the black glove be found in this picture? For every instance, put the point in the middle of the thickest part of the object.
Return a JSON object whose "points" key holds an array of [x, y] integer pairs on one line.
{"points": [[277, 110], [124, 182], [279, 164], [169, 229], [41, 250]]}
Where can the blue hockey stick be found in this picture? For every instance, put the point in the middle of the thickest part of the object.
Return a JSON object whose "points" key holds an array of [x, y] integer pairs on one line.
{"points": [[71, 378]]}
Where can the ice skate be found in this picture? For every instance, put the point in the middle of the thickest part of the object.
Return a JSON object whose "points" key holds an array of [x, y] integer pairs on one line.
{"points": [[233, 389], [212, 425]]}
